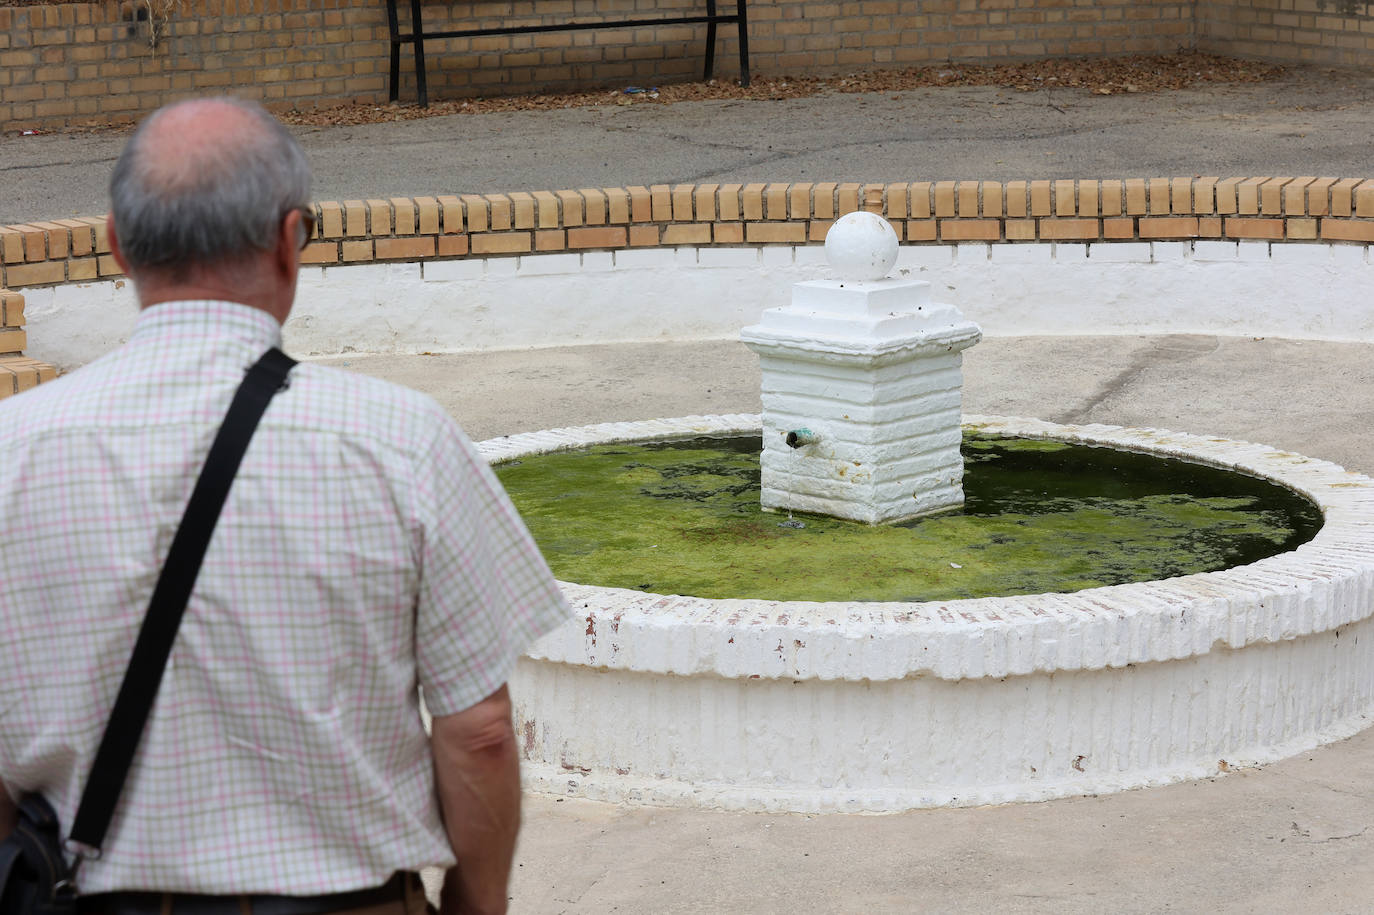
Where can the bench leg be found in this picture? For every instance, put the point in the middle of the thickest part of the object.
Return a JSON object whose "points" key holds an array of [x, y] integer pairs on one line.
{"points": [[416, 27], [743, 26], [394, 86]]}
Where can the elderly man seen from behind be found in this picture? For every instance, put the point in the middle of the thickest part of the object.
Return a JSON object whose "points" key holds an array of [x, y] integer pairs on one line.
{"points": [[365, 548]]}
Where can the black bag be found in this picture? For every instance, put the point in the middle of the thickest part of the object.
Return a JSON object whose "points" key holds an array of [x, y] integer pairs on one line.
{"points": [[34, 876], [33, 873]]}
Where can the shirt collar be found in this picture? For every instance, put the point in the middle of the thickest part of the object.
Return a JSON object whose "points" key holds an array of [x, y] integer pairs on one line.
{"points": [[209, 317]]}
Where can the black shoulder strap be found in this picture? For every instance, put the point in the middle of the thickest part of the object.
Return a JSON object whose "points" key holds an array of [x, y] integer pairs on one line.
{"points": [[168, 603]]}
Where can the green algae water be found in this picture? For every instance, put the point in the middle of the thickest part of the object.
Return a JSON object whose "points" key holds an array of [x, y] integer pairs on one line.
{"points": [[683, 517]]}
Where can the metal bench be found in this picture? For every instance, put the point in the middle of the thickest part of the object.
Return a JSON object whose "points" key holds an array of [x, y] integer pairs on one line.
{"points": [[417, 35]]}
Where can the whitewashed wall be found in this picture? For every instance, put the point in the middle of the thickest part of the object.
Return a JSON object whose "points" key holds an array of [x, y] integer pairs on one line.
{"points": [[1316, 291]]}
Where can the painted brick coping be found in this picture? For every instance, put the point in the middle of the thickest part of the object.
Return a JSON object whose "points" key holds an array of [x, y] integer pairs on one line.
{"points": [[1281, 209]]}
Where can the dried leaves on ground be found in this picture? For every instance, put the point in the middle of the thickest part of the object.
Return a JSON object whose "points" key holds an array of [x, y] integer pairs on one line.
{"points": [[1100, 76]]}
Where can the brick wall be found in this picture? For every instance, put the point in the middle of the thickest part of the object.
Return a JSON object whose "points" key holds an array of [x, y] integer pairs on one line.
{"points": [[89, 63], [17, 372], [814, 35], [81, 63], [433, 228], [1327, 32]]}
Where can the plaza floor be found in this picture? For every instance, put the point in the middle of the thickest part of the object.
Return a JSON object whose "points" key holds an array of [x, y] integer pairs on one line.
{"points": [[1290, 837]]}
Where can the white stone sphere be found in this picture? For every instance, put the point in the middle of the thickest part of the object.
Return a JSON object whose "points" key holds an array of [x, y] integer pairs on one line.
{"points": [[861, 246]]}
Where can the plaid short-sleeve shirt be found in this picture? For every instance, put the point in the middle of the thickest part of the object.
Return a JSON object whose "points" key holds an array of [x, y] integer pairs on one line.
{"points": [[364, 549]]}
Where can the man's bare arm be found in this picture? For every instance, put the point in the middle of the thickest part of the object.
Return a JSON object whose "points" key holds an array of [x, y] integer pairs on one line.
{"points": [[477, 773]]}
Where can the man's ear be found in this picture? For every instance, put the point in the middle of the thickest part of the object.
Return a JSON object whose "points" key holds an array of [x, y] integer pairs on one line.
{"points": [[288, 253], [113, 236]]}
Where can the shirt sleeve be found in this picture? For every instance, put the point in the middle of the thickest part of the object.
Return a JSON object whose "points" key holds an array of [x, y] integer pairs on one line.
{"points": [[485, 591]]}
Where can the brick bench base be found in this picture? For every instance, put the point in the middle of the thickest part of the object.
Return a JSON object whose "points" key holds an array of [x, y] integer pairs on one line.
{"points": [[17, 371]]}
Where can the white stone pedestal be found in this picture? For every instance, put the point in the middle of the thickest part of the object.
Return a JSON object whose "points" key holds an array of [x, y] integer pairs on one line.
{"points": [[862, 388]]}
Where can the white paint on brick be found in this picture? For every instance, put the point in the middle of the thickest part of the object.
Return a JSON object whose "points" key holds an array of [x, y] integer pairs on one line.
{"points": [[972, 253], [1126, 252], [854, 706], [1070, 252], [73, 324], [502, 267], [777, 256], [1312, 253], [1347, 256], [593, 261], [311, 284], [357, 276], [918, 256], [481, 304], [43, 299], [454, 271], [810, 256], [733, 257], [1022, 254], [1165, 252], [1224, 251], [400, 272], [549, 264], [642, 258]]}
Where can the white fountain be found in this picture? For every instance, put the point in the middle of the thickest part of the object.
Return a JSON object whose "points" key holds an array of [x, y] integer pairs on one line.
{"points": [[861, 387], [874, 707]]}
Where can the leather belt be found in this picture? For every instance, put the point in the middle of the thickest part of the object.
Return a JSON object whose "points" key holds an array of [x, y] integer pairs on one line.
{"points": [[140, 903]]}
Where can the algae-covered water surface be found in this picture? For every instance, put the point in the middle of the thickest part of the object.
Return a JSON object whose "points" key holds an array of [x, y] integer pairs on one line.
{"points": [[683, 517]]}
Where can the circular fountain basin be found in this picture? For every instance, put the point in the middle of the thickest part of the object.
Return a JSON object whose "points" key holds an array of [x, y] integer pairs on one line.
{"points": [[685, 517], [875, 707]]}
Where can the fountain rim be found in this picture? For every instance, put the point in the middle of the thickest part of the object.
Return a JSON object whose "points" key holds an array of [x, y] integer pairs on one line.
{"points": [[1269, 600]]}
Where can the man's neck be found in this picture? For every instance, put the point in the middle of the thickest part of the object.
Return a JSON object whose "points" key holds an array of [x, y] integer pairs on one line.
{"points": [[156, 290]]}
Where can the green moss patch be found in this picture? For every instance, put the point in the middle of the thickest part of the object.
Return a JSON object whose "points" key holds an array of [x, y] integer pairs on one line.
{"points": [[684, 518]]}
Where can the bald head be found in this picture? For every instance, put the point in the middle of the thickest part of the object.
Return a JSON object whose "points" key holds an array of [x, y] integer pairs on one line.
{"points": [[205, 183]]}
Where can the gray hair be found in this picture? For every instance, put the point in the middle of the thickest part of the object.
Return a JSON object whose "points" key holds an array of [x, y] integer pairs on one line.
{"points": [[219, 205]]}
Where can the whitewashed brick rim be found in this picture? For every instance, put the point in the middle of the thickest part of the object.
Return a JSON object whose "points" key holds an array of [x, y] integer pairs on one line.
{"points": [[1324, 584]]}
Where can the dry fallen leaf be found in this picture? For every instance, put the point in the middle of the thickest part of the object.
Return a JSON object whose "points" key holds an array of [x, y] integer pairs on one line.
{"points": [[1100, 76]]}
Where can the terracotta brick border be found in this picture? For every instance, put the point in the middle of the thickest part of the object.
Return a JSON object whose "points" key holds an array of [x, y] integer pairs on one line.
{"points": [[1288, 210], [17, 372]]}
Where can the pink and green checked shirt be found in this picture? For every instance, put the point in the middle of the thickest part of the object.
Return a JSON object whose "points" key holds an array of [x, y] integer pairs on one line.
{"points": [[365, 548]]}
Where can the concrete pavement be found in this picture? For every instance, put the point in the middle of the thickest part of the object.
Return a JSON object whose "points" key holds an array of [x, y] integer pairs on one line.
{"points": [[1312, 122], [1291, 837]]}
